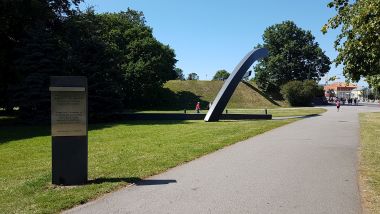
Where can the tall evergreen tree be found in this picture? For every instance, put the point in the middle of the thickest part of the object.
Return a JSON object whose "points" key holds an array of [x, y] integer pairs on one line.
{"points": [[18, 18], [39, 56]]}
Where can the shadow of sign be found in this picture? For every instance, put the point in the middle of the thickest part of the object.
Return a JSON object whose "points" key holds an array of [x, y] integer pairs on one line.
{"points": [[133, 180]]}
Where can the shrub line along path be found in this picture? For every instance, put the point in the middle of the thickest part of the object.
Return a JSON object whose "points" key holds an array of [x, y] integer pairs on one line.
{"points": [[309, 166]]}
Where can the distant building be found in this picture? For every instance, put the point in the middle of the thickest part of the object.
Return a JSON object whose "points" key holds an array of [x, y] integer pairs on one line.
{"points": [[357, 93], [340, 89]]}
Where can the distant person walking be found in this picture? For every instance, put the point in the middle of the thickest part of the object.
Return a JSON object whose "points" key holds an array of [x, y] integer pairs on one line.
{"points": [[337, 105], [198, 107]]}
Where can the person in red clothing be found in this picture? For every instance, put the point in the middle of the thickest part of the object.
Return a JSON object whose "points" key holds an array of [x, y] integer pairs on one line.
{"points": [[337, 105], [198, 107]]}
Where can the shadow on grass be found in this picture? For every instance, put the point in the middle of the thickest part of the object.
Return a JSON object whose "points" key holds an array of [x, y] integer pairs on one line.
{"points": [[180, 100], [98, 126], [132, 180], [12, 130], [19, 132], [261, 93]]}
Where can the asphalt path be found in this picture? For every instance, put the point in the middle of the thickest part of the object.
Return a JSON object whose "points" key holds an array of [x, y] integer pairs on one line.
{"points": [[309, 166]]}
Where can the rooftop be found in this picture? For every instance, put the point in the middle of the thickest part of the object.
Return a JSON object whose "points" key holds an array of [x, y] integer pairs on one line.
{"points": [[341, 86]]}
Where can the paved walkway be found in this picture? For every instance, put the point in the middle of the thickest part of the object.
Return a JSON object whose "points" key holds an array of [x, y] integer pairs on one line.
{"points": [[309, 166]]}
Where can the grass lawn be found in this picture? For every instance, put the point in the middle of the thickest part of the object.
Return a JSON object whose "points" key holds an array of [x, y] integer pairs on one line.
{"points": [[276, 112], [119, 153], [370, 160]]}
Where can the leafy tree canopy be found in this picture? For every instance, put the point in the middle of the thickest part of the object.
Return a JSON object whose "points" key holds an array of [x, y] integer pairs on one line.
{"points": [[192, 76], [145, 63], [358, 43], [125, 65], [179, 73], [373, 81], [293, 55], [221, 75]]}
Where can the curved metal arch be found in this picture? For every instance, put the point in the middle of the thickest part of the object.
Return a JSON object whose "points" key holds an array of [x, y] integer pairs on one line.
{"points": [[232, 82]]}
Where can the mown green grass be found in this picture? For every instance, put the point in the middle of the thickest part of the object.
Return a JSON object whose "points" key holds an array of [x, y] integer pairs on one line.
{"points": [[370, 161], [276, 112], [118, 153]]}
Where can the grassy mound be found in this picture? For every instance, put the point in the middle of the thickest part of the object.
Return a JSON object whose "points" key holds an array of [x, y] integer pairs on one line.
{"points": [[184, 94]]}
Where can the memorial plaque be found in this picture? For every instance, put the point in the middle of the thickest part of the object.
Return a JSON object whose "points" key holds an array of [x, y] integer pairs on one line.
{"points": [[69, 130], [68, 112]]}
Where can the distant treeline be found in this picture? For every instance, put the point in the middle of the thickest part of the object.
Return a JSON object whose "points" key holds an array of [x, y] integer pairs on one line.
{"points": [[125, 65]]}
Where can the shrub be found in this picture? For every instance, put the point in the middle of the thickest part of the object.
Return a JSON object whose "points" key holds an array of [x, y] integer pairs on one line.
{"points": [[299, 93]]}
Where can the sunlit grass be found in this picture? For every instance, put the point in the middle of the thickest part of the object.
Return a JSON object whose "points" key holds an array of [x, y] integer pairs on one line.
{"points": [[276, 112], [370, 160], [118, 153]]}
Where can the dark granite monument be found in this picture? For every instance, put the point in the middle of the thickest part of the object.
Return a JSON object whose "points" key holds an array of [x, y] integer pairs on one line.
{"points": [[69, 129], [229, 86]]}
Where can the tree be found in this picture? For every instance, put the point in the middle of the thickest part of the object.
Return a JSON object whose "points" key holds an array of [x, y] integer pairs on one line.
{"points": [[122, 56], [358, 43], [76, 50], [300, 93], [293, 55], [18, 19], [221, 75], [374, 81], [39, 57], [89, 54], [179, 73], [145, 63], [193, 76], [124, 64]]}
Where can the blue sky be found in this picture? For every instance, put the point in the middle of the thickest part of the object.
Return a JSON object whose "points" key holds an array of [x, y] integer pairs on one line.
{"points": [[208, 35]]}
